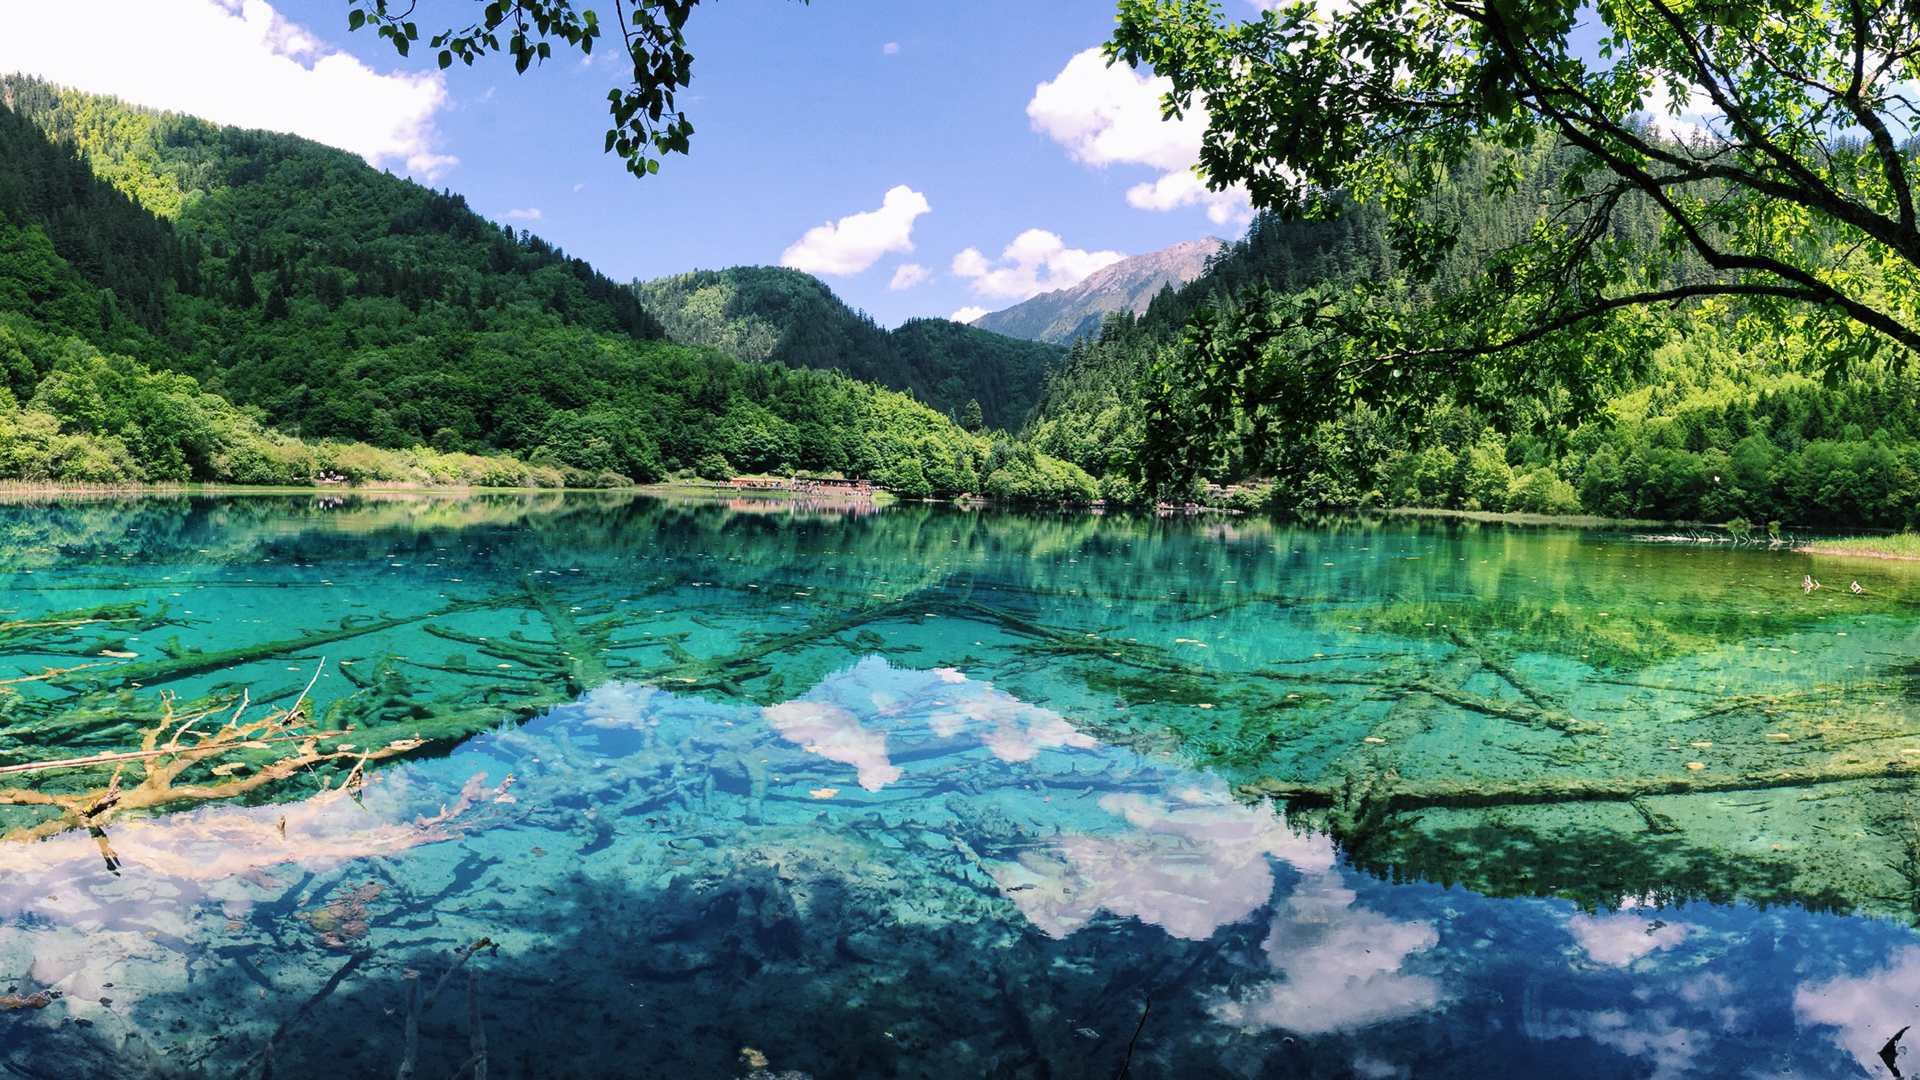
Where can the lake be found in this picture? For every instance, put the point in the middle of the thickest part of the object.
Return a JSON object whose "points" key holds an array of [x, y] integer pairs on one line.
{"points": [[606, 785]]}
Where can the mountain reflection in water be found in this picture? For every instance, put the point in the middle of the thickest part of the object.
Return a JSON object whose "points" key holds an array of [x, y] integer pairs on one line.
{"points": [[900, 873]]}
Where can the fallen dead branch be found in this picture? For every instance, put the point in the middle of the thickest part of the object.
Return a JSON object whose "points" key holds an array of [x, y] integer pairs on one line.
{"points": [[1399, 796]]}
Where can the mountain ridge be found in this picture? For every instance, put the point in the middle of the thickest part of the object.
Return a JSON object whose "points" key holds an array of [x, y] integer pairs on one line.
{"points": [[1129, 285], [771, 313], [181, 301]]}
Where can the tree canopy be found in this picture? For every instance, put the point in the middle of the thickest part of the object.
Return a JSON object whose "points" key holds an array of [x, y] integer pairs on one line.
{"points": [[1768, 141], [761, 313], [647, 120], [272, 310]]}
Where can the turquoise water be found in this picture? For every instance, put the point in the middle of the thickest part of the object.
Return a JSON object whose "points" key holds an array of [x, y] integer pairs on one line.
{"points": [[715, 789]]}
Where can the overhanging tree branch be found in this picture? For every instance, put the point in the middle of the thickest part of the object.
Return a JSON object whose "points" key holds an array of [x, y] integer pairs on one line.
{"points": [[647, 121], [1797, 205]]}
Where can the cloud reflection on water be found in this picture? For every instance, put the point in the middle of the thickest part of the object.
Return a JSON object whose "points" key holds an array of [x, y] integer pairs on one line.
{"points": [[1190, 863], [1340, 966], [1867, 1009], [1619, 939], [961, 778]]}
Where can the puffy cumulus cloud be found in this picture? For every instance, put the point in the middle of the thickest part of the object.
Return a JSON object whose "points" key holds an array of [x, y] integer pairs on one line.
{"points": [[857, 241], [968, 314], [1654, 1035], [1689, 117], [531, 213], [1372, 1068], [1864, 1009], [848, 716], [891, 48], [1189, 863], [1037, 261], [907, 275], [236, 62], [1339, 966], [1619, 939], [1671, 1037], [1177, 189], [824, 728], [1110, 115], [1326, 7]]}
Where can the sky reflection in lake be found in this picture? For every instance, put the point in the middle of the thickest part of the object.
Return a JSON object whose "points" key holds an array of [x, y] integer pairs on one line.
{"points": [[899, 871]]}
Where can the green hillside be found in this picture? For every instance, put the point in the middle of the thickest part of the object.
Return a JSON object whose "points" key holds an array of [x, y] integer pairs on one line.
{"points": [[762, 313], [1708, 423], [182, 301]]}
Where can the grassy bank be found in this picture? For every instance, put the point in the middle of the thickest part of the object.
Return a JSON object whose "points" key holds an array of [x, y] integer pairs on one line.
{"points": [[1896, 546]]}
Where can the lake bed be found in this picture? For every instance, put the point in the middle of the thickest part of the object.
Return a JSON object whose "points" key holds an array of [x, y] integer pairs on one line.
{"points": [[769, 787]]}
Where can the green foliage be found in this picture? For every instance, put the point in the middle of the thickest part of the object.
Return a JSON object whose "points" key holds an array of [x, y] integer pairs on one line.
{"points": [[764, 313], [385, 332], [1542, 491], [1716, 430], [1016, 472], [1486, 481], [1795, 211], [104, 419], [646, 119]]}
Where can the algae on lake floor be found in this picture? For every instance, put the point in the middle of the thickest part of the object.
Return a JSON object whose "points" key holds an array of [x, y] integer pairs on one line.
{"points": [[1567, 681], [896, 872]]}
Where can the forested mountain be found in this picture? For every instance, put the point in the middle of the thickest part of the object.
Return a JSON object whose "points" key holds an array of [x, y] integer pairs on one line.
{"points": [[761, 313], [182, 301], [1128, 285], [185, 301], [1713, 425]]}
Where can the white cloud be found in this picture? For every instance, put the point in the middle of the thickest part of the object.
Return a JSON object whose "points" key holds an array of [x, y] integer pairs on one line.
{"points": [[1653, 1034], [857, 241], [236, 62], [891, 48], [1111, 116], [1864, 1009], [968, 314], [1037, 261], [1193, 862], [1341, 966], [531, 214], [907, 275], [1619, 939]]}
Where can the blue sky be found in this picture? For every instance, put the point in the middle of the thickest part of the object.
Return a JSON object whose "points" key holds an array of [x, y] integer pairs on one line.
{"points": [[923, 122]]}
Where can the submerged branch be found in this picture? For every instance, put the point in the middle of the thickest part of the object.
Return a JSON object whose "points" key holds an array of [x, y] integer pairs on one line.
{"points": [[1400, 796], [194, 663]]}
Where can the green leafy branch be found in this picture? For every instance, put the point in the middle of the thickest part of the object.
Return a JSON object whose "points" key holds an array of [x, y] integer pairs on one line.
{"points": [[647, 120]]}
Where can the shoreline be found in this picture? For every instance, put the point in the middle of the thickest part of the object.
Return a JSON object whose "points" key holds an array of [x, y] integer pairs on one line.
{"points": [[1572, 521], [17, 491], [1858, 553]]}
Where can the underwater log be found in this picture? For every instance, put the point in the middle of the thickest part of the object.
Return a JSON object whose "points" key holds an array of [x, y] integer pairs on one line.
{"points": [[1403, 796]]}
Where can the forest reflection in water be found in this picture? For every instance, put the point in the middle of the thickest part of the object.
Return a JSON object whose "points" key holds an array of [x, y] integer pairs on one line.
{"points": [[929, 791]]}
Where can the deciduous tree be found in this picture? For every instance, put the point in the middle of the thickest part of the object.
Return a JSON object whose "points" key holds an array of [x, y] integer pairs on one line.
{"points": [[1770, 138], [647, 120]]}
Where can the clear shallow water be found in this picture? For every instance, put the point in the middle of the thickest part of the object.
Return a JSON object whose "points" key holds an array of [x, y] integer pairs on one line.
{"points": [[925, 793]]}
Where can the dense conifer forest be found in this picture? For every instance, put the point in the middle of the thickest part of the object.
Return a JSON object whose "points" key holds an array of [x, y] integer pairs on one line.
{"points": [[761, 313], [186, 302], [1711, 422]]}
